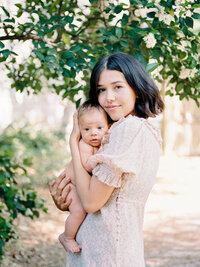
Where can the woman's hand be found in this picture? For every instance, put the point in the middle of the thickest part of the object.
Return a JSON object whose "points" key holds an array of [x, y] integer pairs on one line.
{"points": [[75, 134], [59, 190]]}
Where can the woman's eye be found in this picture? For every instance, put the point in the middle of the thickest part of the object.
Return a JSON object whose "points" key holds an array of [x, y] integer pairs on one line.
{"points": [[118, 86], [101, 90]]}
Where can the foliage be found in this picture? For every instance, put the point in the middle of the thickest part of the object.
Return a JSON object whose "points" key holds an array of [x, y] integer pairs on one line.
{"points": [[67, 39], [21, 151]]}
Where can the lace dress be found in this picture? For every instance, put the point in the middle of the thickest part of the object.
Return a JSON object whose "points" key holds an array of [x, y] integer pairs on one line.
{"points": [[128, 160]]}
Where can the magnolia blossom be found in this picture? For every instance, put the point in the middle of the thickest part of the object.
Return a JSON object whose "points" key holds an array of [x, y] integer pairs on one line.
{"points": [[197, 10], [141, 12], [166, 18], [178, 9], [150, 40], [188, 13], [193, 72], [186, 73], [37, 62], [180, 34]]}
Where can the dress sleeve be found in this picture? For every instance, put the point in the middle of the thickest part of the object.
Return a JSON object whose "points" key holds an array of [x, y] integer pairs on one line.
{"points": [[121, 154]]}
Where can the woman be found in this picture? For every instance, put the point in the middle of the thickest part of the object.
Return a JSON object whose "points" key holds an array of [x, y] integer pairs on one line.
{"points": [[124, 170]]}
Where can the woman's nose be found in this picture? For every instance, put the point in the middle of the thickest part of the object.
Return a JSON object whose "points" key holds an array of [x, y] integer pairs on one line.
{"points": [[110, 96]]}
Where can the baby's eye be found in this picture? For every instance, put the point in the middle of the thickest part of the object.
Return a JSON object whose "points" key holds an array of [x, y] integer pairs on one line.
{"points": [[100, 127], [86, 129]]}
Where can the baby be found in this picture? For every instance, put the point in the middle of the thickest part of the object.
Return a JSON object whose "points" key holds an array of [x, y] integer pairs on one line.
{"points": [[93, 123]]}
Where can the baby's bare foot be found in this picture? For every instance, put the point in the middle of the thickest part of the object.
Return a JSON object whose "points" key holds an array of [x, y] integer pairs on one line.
{"points": [[69, 244]]}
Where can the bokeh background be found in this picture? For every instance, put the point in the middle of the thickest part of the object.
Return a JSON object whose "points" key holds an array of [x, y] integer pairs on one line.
{"points": [[39, 126]]}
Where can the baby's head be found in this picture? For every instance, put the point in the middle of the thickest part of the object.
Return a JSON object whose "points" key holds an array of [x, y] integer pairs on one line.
{"points": [[93, 123]]}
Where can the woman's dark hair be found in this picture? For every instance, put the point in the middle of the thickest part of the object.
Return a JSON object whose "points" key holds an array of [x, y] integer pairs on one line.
{"points": [[148, 102]]}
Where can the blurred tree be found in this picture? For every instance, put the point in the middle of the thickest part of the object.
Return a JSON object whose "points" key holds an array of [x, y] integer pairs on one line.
{"points": [[68, 38], [16, 194]]}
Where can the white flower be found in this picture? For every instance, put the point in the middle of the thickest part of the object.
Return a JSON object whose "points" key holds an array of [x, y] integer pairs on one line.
{"points": [[166, 18], [197, 10], [180, 34], [178, 9], [150, 40], [193, 72], [185, 43], [141, 12], [188, 13], [37, 62], [186, 73]]}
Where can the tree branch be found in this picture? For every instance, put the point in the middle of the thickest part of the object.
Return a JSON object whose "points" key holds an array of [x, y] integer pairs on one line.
{"points": [[60, 8], [20, 37]]}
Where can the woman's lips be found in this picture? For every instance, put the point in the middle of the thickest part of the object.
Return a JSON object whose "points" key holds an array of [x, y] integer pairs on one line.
{"points": [[112, 107]]}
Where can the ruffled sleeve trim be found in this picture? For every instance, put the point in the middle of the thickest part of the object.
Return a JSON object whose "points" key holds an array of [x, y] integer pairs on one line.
{"points": [[107, 175]]}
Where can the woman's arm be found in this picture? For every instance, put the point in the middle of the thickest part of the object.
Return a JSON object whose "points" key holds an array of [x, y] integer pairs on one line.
{"points": [[93, 193]]}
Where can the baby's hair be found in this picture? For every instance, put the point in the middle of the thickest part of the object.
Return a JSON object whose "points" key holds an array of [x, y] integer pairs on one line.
{"points": [[86, 106], [148, 100]]}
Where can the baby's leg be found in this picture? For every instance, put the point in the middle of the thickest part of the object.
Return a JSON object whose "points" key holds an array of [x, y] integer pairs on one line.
{"points": [[73, 222]]}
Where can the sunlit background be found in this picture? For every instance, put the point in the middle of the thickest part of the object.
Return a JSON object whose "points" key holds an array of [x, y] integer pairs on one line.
{"points": [[172, 218]]}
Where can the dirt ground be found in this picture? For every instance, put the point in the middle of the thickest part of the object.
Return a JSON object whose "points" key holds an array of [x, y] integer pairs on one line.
{"points": [[171, 227]]}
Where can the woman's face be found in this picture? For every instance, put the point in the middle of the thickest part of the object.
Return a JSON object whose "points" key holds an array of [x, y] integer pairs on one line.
{"points": [[115, 95]]}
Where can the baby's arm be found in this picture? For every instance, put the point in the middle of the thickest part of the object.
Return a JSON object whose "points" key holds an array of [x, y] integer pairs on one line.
{"points": [[85, 152]]}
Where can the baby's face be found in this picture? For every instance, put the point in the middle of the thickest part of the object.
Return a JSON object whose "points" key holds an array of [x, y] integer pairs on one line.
{"points": [[93, 125]]}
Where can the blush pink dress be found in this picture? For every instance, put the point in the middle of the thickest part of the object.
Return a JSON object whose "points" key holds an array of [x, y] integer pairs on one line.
{"points": [[128, 160]]}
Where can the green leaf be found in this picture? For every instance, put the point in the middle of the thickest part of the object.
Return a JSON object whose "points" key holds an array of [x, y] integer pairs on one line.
{"points": [[151, 67], [50, 58], [189, 22], [38, 54], [179, 86], [67, 55], [1, 45], [125, 19], [107, 10], [6, 12], [69, 19], [196, 15], [105, 32], [118, 32], [76, 48], [71, 63], [123, 43], [198, 86], [118, 9], [10, 20], [66, 73], [5, 52], [42, 44], [19, 13], [113, 38], [78, 103], [18, 5], [93, 1]]}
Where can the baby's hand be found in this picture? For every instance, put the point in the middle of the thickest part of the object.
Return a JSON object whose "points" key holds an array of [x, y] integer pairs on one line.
{"points": [[75, 134]]}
